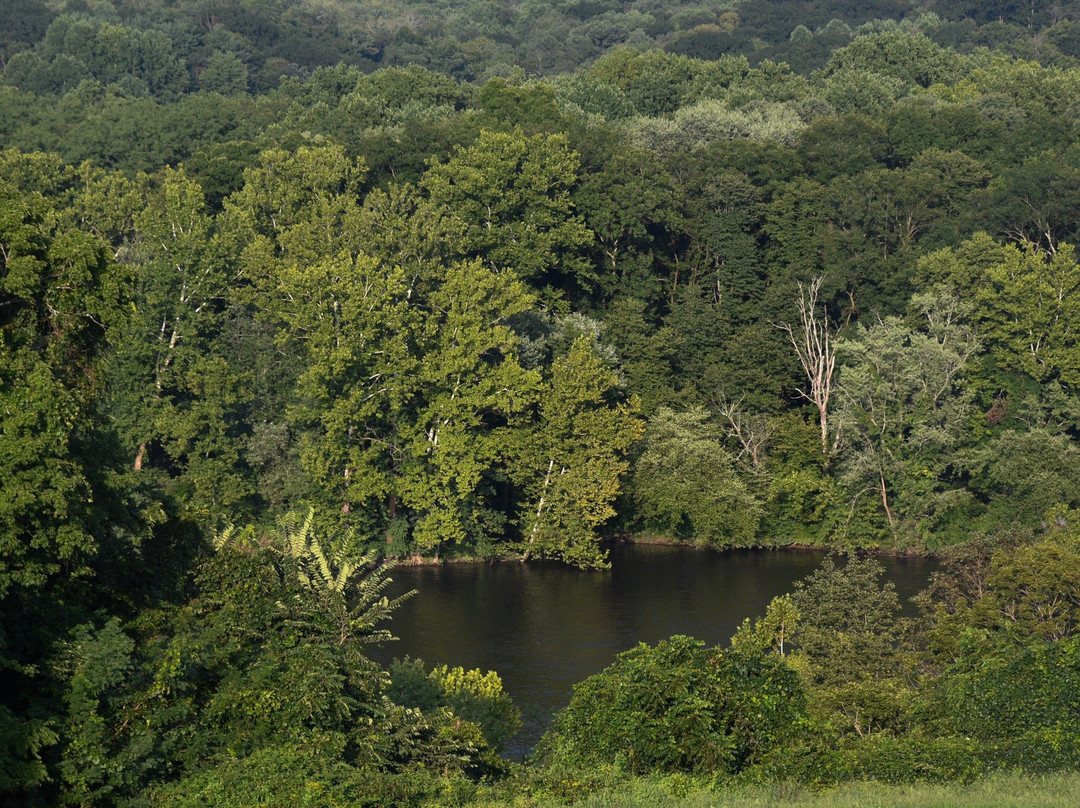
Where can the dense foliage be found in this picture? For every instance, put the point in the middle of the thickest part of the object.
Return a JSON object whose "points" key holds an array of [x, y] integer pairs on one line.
{"points": [[832, 685], [500, 280], [678, 707]]}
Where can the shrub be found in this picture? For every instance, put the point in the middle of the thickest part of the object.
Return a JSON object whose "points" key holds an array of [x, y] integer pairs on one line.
{"points": [[472, 696], [675, 707], [1021, 704]]}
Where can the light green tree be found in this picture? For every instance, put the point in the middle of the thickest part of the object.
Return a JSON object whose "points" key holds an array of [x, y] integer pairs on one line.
{"points": [[1030, 307], [685, 482], [471, 392], [902, 408], [570, 461], [771, 633], [512, 195], [358, 327]]}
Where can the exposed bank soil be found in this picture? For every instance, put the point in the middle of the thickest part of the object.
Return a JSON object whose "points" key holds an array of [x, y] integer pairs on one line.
{"points": [[818, 548], [667, 541]]}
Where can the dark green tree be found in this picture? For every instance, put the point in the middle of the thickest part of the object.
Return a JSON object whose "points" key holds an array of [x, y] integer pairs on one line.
{"points": [[74, 528], [847, 642]]}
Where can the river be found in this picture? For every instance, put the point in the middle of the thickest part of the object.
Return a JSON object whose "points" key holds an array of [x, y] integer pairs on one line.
{"points": [[546, 626]]}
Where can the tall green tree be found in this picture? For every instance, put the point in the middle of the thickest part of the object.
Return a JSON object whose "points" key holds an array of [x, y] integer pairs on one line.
{"points": [[358, 384], [903, 406], [512, 196], [176, 403], [74, 527], [569, 462], [1029, 306], [848, 644], [473, 393]]}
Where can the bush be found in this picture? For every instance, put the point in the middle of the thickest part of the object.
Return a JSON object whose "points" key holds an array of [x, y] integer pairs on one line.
{"points": [[676, 707], [826, 760], [284, 776], [1021, 704], [472, 696]]}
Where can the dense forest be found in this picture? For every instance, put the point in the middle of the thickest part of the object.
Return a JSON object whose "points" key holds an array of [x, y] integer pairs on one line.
{"points": [[292, 287]]}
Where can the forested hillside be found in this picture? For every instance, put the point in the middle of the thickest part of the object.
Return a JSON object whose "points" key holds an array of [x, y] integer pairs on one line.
{"points": [[288, 287]]}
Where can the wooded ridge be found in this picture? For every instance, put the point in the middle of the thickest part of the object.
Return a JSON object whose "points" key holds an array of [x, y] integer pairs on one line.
{"points": [[316, 284]]}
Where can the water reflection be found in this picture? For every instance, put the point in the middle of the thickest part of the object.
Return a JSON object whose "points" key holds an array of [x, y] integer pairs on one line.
{"points": [[544, 626]]}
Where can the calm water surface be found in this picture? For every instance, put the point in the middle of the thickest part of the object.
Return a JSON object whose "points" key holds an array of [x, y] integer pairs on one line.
{"points": [[545, 626]]}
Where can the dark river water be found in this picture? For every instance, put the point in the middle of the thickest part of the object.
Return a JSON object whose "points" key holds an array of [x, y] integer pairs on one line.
{"points": [[545, 626]]}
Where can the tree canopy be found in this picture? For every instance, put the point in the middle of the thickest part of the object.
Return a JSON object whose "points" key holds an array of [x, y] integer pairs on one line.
{"points": [[502, 281]]}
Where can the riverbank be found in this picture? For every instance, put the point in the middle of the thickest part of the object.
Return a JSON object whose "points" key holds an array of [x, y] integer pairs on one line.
{"points": [[651, 538], [648, 539], [545, 626]]}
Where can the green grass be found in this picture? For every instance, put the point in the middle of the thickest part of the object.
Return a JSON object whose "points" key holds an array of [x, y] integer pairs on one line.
{"points": [[998, 791]]}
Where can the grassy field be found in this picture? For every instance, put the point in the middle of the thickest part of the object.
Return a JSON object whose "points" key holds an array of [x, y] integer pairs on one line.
{"points": [[999, 791]]}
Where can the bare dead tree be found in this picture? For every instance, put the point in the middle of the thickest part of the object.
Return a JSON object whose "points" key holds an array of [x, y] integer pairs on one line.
{"points": [[752, 433], [812, 340]]}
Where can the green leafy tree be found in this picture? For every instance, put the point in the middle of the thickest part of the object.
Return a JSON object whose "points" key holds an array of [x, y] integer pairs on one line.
{"points": [[1022, 474], [1034, 203], [73, 526], [898, 208], [1023, 302], [1020, 594], [59, 291], [685, 482], [1028, 306], [293, 231], [1017, 704], [570, 461], [512, 196], [472, 696], [176, 403], [913, 58], [627, 204], [655, 82], [293, 203], [844, 144], [865, 92], [141, 62], [847, 645], [722, 214], [645, 359], [224, 73], [409, 389], [474, 391], [358, 381], [36, 406], [903, 407], [268, 656], [771, 633]]}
